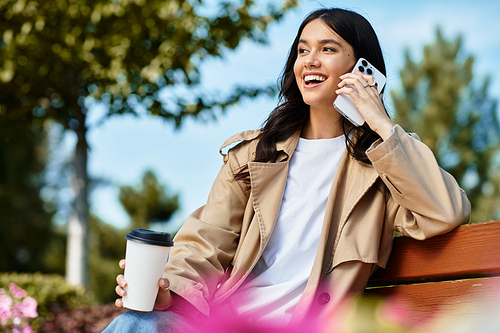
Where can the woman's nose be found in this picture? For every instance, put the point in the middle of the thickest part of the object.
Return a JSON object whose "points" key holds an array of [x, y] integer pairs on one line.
{"points": [[312, 60]]}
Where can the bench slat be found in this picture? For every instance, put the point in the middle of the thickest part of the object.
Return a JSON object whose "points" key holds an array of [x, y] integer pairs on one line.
{"points": [[421, 302], [468, 251]]}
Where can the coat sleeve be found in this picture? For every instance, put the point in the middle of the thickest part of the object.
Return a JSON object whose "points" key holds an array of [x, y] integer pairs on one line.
{"points": [[424, 199], [206, 243]]}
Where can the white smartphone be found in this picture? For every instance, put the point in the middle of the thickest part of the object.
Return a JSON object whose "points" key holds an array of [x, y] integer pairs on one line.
{"points": [[345, 104]]}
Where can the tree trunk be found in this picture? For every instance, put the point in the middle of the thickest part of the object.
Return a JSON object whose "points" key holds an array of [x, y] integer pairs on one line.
{"points": [[78, 227]]}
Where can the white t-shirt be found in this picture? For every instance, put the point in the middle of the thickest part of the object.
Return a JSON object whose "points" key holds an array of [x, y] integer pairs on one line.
{"points": [[281, 274]]}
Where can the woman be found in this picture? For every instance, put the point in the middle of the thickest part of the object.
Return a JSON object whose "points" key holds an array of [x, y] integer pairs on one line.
{"points": [[307, 206]]}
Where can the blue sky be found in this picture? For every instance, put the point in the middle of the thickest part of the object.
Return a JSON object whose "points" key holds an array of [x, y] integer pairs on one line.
{"points": [[187, 161]]}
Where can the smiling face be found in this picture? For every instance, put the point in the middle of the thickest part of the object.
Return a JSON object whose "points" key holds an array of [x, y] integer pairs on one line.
{"points": [[323, 56]]}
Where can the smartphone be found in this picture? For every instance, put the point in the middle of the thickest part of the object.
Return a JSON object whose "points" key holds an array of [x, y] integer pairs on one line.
{"points": [[345, 104]]}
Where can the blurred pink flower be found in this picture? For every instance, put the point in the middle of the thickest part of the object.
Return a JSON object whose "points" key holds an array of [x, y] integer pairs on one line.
{"points": [[27, 329], [5, 307], [16, 291], [28, 307]]}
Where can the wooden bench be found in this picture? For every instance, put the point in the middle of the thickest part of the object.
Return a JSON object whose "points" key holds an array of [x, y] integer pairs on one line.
{"points": [[443, 274]]}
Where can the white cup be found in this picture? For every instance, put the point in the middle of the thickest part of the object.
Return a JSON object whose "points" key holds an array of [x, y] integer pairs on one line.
{"points": [[146, 257]]}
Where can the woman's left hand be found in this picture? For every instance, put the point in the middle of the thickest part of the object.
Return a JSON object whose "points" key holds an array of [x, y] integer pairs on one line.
{"points": [[367, 100]]}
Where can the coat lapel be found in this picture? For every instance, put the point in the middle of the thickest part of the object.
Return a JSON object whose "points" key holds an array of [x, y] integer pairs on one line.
{"points": [[358, 178], [268, 186]]}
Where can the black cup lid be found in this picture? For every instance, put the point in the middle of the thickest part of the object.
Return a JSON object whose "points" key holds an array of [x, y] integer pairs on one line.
{"points": [[150, 237]]}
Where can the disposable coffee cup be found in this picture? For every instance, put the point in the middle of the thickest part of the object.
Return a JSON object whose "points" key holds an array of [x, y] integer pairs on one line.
{"points": [[146, 256]]}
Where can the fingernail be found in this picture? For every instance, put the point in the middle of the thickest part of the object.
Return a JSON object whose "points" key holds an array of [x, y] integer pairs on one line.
{"points": [[165, 284]]}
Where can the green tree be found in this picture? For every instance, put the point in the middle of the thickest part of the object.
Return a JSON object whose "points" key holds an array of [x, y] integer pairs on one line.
{"points": [[455, 118], [57, 55], [148, 202]]}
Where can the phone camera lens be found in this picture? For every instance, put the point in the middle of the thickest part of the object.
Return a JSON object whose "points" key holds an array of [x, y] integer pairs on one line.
{"points": [[369, 71], [361, 69], [364, 63]]}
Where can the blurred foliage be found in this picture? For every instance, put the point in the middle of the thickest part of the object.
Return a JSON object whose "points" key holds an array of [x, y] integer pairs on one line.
{"points": [[28, 240], [456, 119], [148, 202], [47, 290]]}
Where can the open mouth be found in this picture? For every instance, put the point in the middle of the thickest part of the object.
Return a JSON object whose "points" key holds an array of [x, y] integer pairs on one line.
{"points": [[311, 79]]}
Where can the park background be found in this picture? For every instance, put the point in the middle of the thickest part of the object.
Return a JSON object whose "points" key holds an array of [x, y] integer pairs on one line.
{"points": [[185, 161]]}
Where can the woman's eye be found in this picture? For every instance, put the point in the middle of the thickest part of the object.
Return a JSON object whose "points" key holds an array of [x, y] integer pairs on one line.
{"points": [[329, 49], [302, 50]]}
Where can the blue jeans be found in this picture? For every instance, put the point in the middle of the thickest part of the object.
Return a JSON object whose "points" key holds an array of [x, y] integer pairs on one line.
{"points": [[152, 322]]}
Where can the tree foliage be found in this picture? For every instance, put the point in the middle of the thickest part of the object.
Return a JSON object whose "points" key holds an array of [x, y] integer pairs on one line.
{"points": [[121, 52], [456, 118], [148, 202]]}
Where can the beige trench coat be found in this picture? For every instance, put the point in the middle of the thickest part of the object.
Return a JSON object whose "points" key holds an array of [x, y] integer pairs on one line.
{"points": [[404, 189]]}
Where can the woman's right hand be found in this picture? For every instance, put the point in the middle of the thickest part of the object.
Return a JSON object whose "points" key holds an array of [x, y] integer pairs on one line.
{"points": [[164, 299]]}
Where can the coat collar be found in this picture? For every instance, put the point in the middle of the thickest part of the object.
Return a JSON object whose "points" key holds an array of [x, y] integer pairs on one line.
{"points": [[288, 146]]}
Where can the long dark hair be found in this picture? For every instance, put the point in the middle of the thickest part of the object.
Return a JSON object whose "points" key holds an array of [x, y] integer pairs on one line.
{"points": [[292, 113]]}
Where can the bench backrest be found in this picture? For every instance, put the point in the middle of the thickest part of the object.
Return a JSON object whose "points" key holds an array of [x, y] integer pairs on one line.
{"points": [[443, 272]]}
